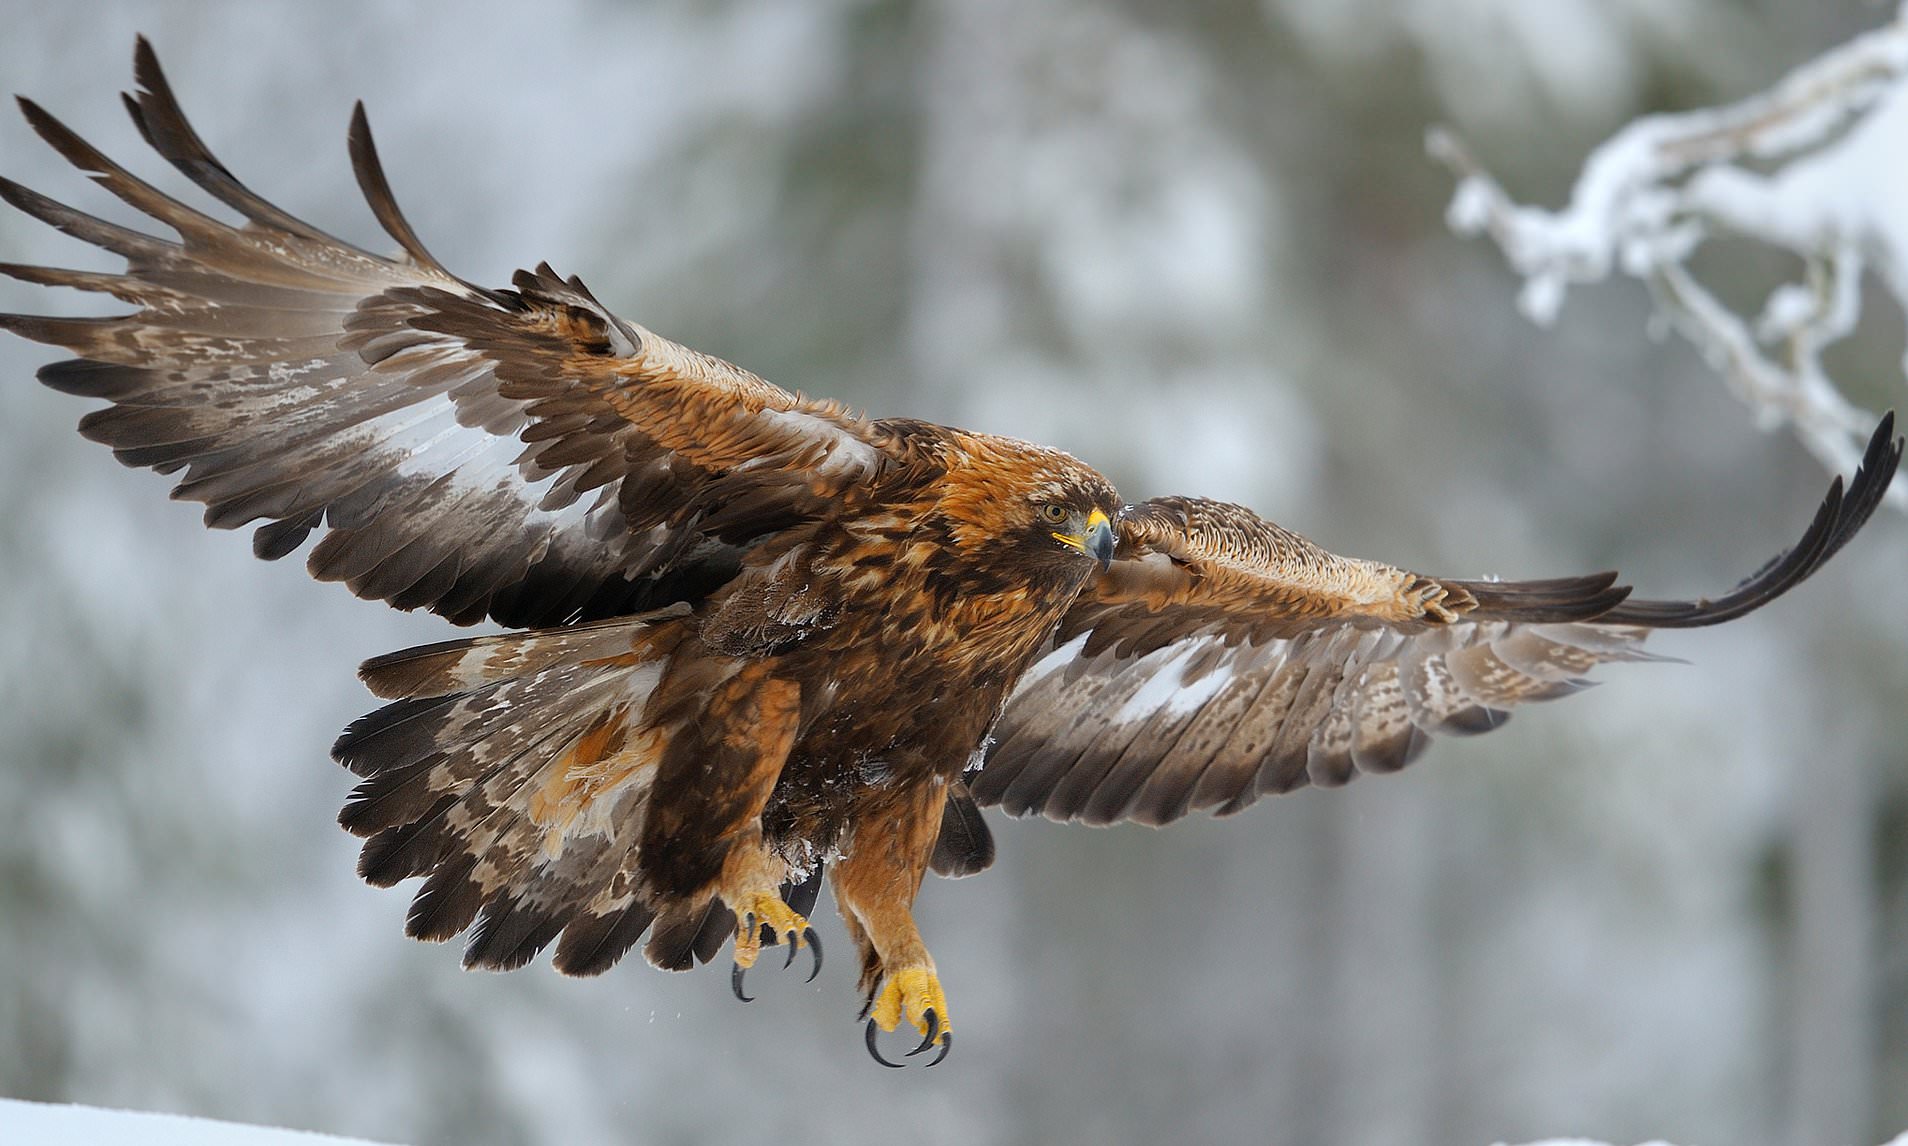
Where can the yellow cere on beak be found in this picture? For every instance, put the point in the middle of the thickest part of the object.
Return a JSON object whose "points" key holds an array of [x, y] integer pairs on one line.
{"points": [[1096, 541]]}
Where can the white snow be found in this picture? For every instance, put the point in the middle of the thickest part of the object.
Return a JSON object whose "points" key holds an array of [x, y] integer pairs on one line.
{"points": [[1585, 1142], [1901, 1140], [44, 1124], [1813, 166]]}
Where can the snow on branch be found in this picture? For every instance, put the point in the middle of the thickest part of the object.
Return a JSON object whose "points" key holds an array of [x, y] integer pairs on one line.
{"points": [[1817, 165]]}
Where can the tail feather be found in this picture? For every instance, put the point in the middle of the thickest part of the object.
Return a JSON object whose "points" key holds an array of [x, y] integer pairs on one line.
{"points": [[513, 773], [965, 845], [593, 943], [461, 665], [513, 928], [466, 817], [447, 903], [688, 933]]}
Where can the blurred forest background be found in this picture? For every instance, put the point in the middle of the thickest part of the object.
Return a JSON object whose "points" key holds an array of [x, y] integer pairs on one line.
{"points": [[1198, 244]]}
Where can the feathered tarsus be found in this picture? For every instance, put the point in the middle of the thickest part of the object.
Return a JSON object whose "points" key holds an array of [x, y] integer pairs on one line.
{"points": [[759, 636]]}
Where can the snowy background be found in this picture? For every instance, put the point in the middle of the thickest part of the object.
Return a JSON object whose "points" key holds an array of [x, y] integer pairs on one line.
{"points": [[1201, 245]]}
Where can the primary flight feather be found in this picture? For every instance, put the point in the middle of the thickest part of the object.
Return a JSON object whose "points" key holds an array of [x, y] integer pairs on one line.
{"points": [[761, 636]]}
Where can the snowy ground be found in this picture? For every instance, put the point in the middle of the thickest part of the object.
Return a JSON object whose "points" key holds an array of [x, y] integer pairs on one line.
{"points": [[38, 1124]]}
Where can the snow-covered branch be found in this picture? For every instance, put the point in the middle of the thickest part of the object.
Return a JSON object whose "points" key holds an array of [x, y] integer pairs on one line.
{"points": [[1816, 165]]}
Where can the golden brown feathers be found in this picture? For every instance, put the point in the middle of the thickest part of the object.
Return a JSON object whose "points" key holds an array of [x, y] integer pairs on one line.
{"points": [[763, 625]]}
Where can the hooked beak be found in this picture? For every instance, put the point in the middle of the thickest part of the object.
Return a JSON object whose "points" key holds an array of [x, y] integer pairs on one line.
{"points": [[1096, 541], [1100, 539]]}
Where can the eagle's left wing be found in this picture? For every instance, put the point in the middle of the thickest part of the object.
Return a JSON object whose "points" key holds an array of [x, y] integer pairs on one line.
{"points": [[1221, 658]]}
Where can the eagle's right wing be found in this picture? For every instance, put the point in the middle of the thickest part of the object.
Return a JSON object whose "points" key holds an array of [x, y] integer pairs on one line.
{"points": [[520, 454]]}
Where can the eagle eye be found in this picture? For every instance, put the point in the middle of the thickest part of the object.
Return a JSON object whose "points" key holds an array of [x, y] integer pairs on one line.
{"points": [[1054, 513]]}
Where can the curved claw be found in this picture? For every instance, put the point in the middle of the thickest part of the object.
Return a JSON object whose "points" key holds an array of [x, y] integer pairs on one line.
{"points": [[735, 983], [790, 961], [814, 944], [874, 1049], [934, 1028], [947, 1044]]}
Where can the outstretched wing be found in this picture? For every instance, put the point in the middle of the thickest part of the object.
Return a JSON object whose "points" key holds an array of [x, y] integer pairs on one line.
{"points": [[1222, 658], [520, 454]]}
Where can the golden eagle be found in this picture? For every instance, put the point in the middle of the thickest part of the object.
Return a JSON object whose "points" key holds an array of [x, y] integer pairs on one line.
{"points": [[758, 635]]}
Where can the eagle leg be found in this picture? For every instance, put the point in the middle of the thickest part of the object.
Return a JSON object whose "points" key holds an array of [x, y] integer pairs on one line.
{"points": [[750, 885], [703, 831], [875, 885]]}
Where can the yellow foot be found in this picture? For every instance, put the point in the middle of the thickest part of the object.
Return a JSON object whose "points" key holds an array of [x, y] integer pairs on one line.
{"points": [[766, 909], [913, 992]]}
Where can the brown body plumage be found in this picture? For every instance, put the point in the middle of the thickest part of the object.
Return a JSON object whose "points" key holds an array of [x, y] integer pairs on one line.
{"points": [[762, 636]]}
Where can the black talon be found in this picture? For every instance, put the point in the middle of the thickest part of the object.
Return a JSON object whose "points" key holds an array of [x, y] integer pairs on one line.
{"points": [[735, 983], [874, 1032], [814, 944], [934, 1028], [947, 1044], [790, 961]]}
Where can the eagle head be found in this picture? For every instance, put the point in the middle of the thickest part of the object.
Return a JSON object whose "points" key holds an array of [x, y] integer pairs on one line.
{"points": [[1030, 505]]}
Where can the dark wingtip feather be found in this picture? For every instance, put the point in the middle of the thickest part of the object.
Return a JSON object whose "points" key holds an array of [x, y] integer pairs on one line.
{"points": [[1554, 601], [123, 241], [62, 138], [162, 122], [53, 276], [85, 378], [1873, 477], [138, 117], [146, 71], [279, 538], [131, 190], [377, 190], [37, 327], [1841, 515]]}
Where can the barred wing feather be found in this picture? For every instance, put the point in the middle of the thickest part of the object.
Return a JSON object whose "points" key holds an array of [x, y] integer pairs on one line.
{"points": [[520, 454], [1222, 658]]}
